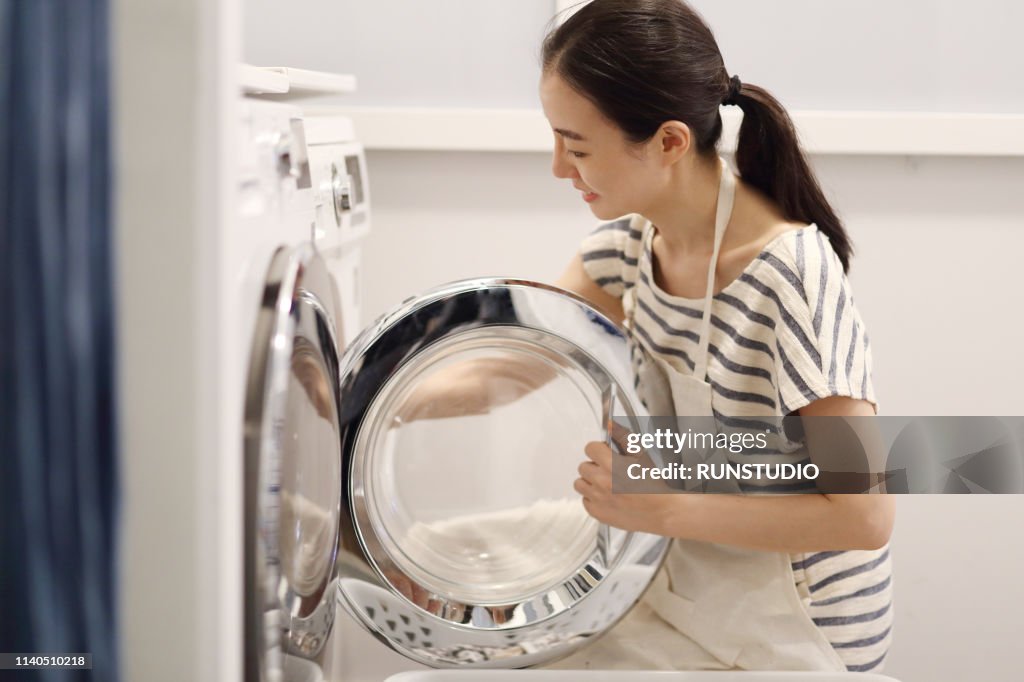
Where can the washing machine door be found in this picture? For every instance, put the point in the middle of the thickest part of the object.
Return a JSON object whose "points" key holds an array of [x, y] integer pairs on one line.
{"points": [[463, 420], [293, 480]]}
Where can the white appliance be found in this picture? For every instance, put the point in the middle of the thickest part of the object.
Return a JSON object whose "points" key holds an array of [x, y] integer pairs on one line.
{"points": [[355, 505], [421, 528], [341, 194], [303, 213], [336, 168], [275, 208], [271, 237]]}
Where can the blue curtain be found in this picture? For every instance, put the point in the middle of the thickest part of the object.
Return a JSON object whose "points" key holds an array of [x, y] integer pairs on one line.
{"points": [[58, 466]]}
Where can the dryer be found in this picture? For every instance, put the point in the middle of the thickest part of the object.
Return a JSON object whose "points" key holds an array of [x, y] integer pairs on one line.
{"points": [[341, 194], [414, 480], [446, 528], [271, 236], [275, 207]]}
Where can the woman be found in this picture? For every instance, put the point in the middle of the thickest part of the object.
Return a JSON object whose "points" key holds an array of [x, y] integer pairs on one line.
{"points": [[632, 90]]}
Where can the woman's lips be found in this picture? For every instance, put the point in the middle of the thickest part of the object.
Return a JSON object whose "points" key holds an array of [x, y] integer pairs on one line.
{"points": [[589, 196]]}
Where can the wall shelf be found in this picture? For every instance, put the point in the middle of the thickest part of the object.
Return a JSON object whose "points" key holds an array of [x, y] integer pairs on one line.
{"points": [[821, 132]]}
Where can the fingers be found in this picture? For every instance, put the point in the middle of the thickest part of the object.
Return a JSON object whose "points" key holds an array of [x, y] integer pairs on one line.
{"points": [[583, 488], [594, 483], [599, 453], [595, 475]]}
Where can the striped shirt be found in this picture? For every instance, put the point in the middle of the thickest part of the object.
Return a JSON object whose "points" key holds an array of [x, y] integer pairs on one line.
{"points": [[783, 334]]}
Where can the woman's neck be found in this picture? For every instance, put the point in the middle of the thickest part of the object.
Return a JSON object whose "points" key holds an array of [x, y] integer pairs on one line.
{"points": [[685, 213], [685, 217]]}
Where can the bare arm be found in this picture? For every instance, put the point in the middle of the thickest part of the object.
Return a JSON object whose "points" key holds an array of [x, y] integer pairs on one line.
{"points": [[576, 280], [790, 523]]}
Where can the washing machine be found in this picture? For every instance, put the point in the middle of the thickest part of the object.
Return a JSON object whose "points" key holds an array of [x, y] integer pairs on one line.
{"points": [[335, 167], [444, 524], [341, 195], [408, 488], [269, 244], [275, 207]]}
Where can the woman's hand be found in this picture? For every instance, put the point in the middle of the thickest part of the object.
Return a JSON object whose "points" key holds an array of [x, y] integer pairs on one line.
{"points": [[641, 512], [776, 523]]}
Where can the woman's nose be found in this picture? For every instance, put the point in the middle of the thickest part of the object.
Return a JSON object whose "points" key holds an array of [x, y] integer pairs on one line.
{"points": [[560, 167]]}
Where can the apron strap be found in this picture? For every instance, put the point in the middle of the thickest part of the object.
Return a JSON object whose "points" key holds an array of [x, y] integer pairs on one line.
{"points": [[723, 210], [726, 194]]}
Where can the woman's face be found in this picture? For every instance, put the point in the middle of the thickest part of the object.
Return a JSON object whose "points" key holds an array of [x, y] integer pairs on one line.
{"points": [[612, 175]]}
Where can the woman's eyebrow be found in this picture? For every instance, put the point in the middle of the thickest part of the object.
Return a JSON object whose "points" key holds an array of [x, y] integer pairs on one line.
{"points": [[570, 134]]}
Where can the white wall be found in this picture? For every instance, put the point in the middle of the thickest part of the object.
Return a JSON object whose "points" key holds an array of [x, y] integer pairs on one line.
{"points": [[913, 55]]}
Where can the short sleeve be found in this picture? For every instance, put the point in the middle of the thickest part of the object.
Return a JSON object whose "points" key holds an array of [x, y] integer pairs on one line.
{"points": [[825, 350], [610, 254]]}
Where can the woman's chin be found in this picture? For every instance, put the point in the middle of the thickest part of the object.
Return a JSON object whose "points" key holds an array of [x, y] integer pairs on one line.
{"points": [[602, 212]]}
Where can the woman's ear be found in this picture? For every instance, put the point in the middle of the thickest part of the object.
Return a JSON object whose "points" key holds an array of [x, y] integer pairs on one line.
{"points": [[674, 139]]}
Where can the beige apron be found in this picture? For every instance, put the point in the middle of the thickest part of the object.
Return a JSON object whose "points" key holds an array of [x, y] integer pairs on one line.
{"points": [[712, 607]]}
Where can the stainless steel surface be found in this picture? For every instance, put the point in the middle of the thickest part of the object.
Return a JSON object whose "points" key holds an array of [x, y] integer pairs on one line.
{"points": [[449, 553], [293, 484]]}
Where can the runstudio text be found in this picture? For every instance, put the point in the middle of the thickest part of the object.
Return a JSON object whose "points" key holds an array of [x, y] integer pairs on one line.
{"points": [[719, 472]]}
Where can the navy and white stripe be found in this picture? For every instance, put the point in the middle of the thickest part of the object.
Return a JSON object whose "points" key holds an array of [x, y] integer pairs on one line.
{"points": [[783, 334]]}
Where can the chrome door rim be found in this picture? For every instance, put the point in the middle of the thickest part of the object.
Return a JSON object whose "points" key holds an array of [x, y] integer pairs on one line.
{"points": [[482, 614], [296, 278], [380, 351]]}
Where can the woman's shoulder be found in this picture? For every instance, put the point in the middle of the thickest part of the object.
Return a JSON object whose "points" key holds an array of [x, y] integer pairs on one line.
{"points": [[803, 258], [611, 252], [618, 240], [618, 233], [800, 281], [826, 347]]}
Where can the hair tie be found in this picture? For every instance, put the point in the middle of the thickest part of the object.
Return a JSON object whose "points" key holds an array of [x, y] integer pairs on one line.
{"points": [[734, 92]]}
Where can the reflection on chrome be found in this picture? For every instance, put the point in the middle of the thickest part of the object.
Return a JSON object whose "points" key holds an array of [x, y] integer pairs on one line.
{"points": [[308, 533]]}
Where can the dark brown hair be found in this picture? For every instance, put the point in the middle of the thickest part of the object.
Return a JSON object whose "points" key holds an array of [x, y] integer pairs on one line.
{"points": [[645, 62]]}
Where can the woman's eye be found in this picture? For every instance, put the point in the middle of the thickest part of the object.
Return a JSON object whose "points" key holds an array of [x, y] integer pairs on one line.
{"points": [[578, 155]]}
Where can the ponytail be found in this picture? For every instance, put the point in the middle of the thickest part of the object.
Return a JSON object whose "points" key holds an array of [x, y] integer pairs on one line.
{"points": [[768, 157]]}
